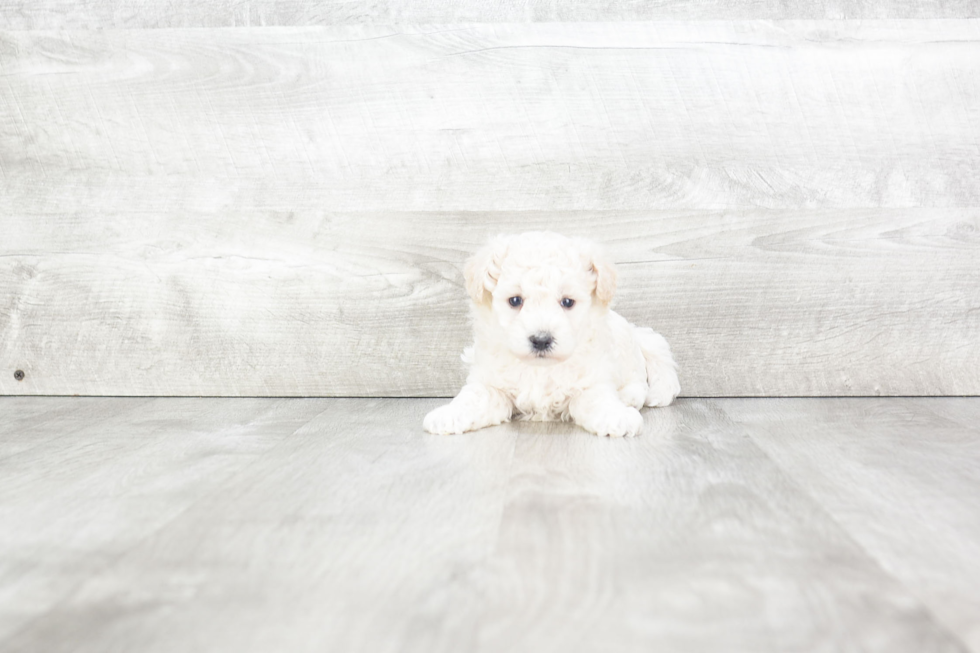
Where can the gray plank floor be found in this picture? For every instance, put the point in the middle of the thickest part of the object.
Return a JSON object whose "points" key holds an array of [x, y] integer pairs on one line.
{"points": [[338, 525]]}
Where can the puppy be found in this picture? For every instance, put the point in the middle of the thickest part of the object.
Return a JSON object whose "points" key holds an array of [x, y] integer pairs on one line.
{"points": [[547, 346]]}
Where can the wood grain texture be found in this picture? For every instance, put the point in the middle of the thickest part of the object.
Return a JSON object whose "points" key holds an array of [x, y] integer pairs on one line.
{"points": [[92, 487], [753, 302], [901, 476], [103, 14], [282, 211], [588, 116], [28, 424], [356, 521], [680, 540], [356, 531]]}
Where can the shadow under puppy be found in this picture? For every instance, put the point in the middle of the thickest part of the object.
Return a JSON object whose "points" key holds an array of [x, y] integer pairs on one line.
{"points": [[548, 347]]}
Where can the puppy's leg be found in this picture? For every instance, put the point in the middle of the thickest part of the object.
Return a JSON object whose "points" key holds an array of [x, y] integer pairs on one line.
{"points": [[601, 411], [661, 368], [474, 407]]}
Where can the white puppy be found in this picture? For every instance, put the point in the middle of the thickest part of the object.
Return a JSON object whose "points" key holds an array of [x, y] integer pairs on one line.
{"points": [[547, 346]]}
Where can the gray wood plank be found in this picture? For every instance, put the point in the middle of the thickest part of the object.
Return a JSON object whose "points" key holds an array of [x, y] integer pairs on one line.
{"points": [[21, 418], [350, 533], [898, 475], [587, 116], [965, 411], [29, 423], [859, 302], [359, 532], [686, 539], [72, 505], [102, 14]]}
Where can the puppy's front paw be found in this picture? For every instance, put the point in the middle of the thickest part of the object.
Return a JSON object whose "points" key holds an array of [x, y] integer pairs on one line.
{"points": [[616, 422], [635, 394], [447, 420]]}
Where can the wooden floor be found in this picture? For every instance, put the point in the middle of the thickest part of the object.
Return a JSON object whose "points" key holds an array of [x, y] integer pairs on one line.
{"points": [[338, 525]]}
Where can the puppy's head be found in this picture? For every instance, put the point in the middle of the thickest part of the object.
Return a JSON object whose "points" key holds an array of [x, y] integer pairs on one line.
{"points": [[539, 294]]}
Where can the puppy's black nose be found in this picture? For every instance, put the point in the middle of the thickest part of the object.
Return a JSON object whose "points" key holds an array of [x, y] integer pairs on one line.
{"points": [[541, 341]]}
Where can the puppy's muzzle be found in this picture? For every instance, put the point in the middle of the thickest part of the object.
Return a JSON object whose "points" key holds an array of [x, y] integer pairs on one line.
{"points": [[541, 342]]}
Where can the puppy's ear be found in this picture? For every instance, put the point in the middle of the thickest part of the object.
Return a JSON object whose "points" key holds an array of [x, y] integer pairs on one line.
{"points": [[603, 270], [483, 269]]}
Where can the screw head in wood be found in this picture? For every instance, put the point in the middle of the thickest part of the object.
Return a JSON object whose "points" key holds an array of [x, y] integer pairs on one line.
{"points": [[19, 375]]}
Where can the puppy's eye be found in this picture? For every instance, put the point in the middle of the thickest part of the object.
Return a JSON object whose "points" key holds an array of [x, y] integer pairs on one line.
{"points": [[515, 301], [567, 302]]}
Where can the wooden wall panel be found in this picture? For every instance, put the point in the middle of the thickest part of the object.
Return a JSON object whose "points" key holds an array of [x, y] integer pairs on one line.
{"points": [[282, 211], [102, 14], [491, 117], [754, 302]]}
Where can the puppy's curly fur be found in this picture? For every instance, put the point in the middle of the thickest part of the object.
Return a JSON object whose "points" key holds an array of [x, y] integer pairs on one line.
{"points": [[548, 347]]}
